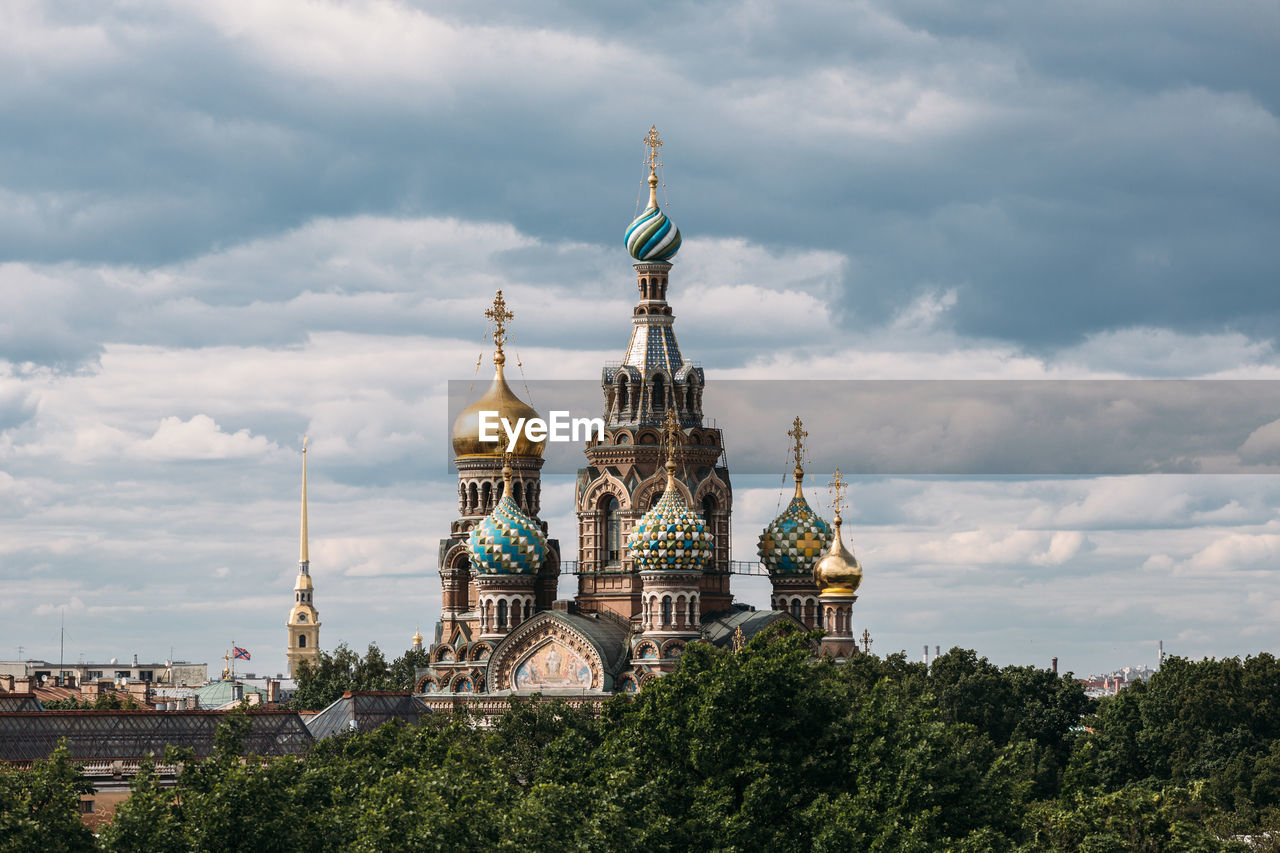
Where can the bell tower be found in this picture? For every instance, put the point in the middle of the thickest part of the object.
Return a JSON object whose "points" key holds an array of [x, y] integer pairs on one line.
{"points": [[625, 476], [304, 620]]}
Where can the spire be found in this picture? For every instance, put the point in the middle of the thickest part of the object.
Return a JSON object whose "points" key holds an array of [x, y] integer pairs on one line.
{"points": [[797, 432], [654, 143], [304, 560], [671, 435]]}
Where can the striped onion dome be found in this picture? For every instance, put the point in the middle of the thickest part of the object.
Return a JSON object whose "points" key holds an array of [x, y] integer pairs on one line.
{"points": [[507, 541], [651, 236], [794, 541], [670, 537]]}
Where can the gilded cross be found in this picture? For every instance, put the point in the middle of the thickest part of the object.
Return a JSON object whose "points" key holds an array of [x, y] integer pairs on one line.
{"points": [[838, 487], [654, 142], [866, 640], [797, 432], [739, 639], [499, 315]]}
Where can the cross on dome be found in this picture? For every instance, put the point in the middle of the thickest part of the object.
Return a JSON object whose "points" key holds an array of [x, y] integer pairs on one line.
{"points": [[654, 143], [499, 315], [838, 487], [798, 433]]}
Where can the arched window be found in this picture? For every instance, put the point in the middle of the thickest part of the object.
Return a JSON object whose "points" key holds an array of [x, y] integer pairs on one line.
{"points": [[528, 609], [473, 499], [612, 531], [486, 491], [692, 617], [657, 395], [502, 613], [624, 401], [666, 610], [795, 607], [515, 493], [302, 641]]}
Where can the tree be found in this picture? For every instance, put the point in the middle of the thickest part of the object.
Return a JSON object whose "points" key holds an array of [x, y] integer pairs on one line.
{"points": [[40, 807]]}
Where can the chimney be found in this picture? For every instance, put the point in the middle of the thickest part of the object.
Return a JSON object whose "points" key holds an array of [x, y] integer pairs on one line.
{"points": [[937, 652], [135, 660], [926, 654], [273, 690], [22, 685], [6, 683], [1055, 665], [237, 692], [1160, 654]]}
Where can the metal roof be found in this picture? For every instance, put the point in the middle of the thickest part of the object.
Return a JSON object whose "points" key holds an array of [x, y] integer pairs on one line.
{"points": [[118, 735], [20, 702], [365, 711]]}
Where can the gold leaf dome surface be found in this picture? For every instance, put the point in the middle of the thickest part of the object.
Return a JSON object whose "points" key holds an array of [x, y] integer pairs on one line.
{"points": [[501, 399], [837, 572]]}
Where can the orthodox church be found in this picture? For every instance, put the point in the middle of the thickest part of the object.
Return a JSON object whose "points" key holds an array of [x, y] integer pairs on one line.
{"points": [[654, 505]]}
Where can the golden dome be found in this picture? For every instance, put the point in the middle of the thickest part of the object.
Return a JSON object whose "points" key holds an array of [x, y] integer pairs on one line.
{"points": [[501, 399], [837, 572], [417, 637]]}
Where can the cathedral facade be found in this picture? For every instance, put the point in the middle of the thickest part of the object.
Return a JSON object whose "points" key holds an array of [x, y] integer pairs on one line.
{"points": [[654, 504]]}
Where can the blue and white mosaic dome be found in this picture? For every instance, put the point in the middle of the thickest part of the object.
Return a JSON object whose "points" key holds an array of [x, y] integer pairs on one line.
{"points": [[670, 537], [794, 541], [507, 541]]}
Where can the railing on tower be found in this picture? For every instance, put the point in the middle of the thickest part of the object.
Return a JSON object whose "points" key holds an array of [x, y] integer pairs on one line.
{"points": [[574, 567]]}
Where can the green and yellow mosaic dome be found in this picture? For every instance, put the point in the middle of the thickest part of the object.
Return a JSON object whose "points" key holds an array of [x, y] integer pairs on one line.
{"points": [[670, 537], [507, 541], [794, 541]]}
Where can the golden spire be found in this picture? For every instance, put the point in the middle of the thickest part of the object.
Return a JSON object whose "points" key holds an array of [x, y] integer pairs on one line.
{"points": [[499, 315], [303, 557], [798, 433], [507, 472], [671, 436], [654, 143]]}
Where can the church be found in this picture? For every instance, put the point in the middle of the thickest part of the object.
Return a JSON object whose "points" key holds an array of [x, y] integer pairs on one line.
{"points": [[654, 508]]}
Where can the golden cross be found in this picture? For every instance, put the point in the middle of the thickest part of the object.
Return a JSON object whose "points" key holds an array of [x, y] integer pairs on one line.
{"points": [[671, 433], [739, 639], [838, 487], [654, 142], [797, 432], [866, 640], [499, 315]]}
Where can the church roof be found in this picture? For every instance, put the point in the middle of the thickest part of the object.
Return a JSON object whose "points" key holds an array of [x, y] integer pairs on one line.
{"points": [[719, 628], [365, 711]]}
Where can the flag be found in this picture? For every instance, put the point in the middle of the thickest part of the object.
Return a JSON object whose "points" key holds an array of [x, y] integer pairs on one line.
{"points": [[239, 653]]}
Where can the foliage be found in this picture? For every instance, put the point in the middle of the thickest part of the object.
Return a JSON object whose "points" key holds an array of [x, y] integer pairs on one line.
{"points": [[322, 683], [40, 807], [760, 749]]}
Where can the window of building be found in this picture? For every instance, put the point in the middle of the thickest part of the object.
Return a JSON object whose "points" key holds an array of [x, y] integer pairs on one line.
{"points": [[502, 613], [302, 641], [666, 610], [86, 807], [613, 531]]}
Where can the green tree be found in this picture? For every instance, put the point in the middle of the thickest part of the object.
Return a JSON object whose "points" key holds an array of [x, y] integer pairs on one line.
{"points": [[40, 807]]}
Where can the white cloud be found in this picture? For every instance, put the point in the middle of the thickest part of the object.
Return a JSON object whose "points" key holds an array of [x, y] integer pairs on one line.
{"points": [[199, 438]]}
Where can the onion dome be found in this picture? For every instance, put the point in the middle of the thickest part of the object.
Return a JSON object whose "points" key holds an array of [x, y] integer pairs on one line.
{"points": [[670, 537], [837, 572], [416, 639], [651, 236], [794, 541], [507, 541], [499, 399]]}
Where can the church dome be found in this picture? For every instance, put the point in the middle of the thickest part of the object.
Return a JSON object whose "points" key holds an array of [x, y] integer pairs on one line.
{"points": [[652, 236], [507, 541], [670, 537], [794, 541], [837, 572], [501, 399]]}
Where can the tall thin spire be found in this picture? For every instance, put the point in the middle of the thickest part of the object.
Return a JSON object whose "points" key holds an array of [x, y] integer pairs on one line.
{"points": [[304, 559]]}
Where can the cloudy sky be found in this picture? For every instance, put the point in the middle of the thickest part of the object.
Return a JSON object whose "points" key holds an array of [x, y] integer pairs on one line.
{"points": [[225, 225]]}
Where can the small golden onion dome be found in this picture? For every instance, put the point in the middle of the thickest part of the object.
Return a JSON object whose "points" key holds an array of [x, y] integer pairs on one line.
{"points": [[837, 572], [501, 399], [417, 637]]}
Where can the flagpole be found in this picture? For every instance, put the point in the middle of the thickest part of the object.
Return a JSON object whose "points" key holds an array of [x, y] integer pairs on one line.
{"points": [[233, 660]]}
